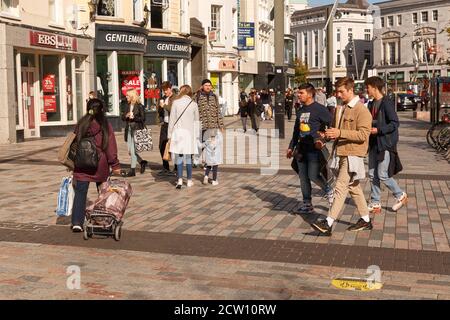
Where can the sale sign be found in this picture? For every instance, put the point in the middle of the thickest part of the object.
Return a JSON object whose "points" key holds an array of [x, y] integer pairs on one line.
{"points": [[48, 83], [50, 103], [131, 82]]}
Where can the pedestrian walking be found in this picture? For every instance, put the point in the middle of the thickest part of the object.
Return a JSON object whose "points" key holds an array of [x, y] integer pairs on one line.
{"points": [[243, 112], [384, 161], [164, 116], [184, 133], [306, 142], [134, 117], [320, 97], [289, 103], [253, 110], [350, 132], [94, 124]]}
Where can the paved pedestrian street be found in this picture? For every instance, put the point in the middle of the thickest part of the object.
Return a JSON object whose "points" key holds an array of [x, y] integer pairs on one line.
{"points": [[237, 240]]}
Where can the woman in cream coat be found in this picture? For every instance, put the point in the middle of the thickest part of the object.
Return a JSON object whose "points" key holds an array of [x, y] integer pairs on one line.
{"points": [[184, 133]]}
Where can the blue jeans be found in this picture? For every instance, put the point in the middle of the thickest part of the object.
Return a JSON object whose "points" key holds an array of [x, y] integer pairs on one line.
{"points": [[79, 202], [187, 159], [378, 171], [308, 170]]}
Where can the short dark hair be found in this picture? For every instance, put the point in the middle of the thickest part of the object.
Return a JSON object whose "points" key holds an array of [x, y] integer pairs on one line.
{"points": [[166, 85], [308, 87], [347, 82], [375, 82]]}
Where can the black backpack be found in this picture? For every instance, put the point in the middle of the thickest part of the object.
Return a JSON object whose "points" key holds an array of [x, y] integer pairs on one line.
{"points": [[86, 155]]}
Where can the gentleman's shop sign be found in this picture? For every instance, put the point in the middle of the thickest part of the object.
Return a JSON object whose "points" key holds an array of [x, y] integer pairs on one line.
{"points": [[168, 47], [120, 38]]}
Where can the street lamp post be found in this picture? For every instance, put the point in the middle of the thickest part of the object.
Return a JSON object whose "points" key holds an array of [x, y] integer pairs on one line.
{"points": [[325, 37], [280, 78]]}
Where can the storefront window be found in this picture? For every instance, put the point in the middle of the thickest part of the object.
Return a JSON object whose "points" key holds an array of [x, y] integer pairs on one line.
{"points": [[152, 83], [69, 88], [50, 88], [79, 94], [103, 76], [27, 60], [172, 72], [128, 75]]}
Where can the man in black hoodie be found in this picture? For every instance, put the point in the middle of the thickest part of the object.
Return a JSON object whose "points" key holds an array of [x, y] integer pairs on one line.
{"points": [[383, 157]]}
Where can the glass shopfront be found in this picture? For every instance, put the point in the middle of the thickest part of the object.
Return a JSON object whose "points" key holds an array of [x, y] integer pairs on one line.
{"points": [[166, 59]]}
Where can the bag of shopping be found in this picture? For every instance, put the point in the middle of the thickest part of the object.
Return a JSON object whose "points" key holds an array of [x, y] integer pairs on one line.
{"points": [[113, 198], [66, 154], [66, 195], [143, 140], [167, 156]]}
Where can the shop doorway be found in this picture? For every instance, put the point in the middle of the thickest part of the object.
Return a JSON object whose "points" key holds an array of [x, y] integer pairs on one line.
{"points": [[28, 102]]}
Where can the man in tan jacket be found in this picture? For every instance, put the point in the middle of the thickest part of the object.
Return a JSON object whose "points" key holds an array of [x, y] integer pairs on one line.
{"points": [[350, 132]]}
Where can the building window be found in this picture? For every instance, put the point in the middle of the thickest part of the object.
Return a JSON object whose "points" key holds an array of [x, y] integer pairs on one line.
{"points": [[367, 56], [399, 20], [338, 58], [51, 89], [305, 47], [54, 11], [6, 5], [367, 34], [107, 8], [137, 10], [415, 18], [350, 35], [425, 16], [435, 15], [215, 20], [157, 9], [338, 35], [382, 22], [350, 58], [316, 48], [390, 21], [392, 54]]}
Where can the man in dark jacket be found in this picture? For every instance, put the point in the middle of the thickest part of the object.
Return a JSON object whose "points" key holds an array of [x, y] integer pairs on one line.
{"points": [[383, 146], [306, 140]]}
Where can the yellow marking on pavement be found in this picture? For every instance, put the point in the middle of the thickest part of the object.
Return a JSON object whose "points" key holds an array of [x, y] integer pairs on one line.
{"points": [[356, 284]]}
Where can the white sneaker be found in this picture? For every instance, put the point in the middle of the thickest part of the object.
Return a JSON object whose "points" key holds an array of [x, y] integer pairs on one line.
{"points": [[374, 208], [190, 183], [179, 183], [400, 202], [215, 183], [205, 180]]}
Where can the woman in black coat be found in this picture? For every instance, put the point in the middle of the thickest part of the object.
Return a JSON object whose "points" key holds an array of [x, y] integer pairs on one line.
{"points": [[134, 116]]}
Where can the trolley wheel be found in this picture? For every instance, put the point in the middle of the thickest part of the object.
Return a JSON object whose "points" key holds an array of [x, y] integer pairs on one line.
{"points": [[86, 234], [118, 232]]}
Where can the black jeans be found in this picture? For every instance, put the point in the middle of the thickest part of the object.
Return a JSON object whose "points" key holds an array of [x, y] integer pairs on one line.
{"points": [[214, 170], [162, 143], [79, 202]]}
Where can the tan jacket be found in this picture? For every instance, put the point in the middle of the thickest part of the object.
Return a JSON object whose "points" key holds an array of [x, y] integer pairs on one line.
{"points": [[355, 129]]}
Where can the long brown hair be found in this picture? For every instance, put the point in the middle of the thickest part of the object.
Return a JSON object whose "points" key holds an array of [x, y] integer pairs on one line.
{"points": [[95, 111], [185, 90]]}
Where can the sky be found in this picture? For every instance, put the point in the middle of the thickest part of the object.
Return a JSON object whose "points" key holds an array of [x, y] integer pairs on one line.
{"points": [[315, 3]]}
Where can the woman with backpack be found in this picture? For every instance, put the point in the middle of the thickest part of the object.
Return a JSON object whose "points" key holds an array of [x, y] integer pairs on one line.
{"points": [[134, 116], [96, 154], [184, 133]]}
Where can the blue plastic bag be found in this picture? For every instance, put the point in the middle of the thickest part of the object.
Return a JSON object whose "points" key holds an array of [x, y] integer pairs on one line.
{"points": [[65, 198]]}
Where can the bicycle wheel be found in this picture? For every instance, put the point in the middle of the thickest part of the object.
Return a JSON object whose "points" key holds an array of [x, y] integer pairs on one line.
{"points": [[443, 137], [431, 142]]}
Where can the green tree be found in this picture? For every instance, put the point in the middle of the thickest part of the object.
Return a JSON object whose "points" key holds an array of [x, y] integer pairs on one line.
{"points": [[301, 72]]}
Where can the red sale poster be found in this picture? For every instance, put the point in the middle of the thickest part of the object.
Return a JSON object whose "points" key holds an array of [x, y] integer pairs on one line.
{"points": [[50, 103], [48, 83], [131, 82]]}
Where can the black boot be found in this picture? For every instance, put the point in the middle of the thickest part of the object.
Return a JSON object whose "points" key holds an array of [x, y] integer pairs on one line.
{"points": [[129, 173], [143, 165]]}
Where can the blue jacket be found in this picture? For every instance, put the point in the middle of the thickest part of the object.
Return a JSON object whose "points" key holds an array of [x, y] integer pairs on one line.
{"points": [[387, 124]]}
